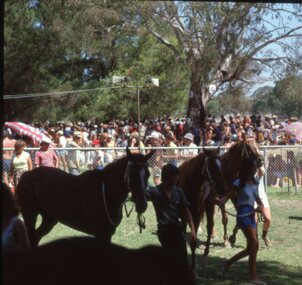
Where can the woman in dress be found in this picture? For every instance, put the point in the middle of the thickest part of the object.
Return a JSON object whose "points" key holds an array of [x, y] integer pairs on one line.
{"points": [[21, 162]]}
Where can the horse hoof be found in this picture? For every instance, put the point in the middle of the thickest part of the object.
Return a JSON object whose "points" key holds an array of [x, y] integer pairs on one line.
{"points": [[232, 240], [227, 245]]}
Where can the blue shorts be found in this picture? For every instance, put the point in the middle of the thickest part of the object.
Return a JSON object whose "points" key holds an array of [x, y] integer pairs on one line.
{"points": [[243, 222]]}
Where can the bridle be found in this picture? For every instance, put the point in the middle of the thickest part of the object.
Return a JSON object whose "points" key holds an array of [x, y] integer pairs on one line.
{"points": [[140, 218], [206, 172]]}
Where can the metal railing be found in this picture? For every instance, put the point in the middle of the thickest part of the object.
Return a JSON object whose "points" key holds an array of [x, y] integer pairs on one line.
{"points": [[283, 164]]}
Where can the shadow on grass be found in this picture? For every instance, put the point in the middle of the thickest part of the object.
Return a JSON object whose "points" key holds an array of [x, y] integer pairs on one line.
{"points": [[273, 273], [295, 218]]}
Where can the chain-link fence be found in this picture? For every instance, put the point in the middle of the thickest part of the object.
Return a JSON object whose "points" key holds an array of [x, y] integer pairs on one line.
{"points": [[283, 164]]}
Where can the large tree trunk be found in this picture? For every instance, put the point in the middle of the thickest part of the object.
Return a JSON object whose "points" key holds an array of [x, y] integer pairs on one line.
{"points": [[198, 97]]}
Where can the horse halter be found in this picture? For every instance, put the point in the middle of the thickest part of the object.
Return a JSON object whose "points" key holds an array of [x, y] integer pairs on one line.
{"points": [[245, 151], [127, 172], [140, 218], [141, 221], [205, 169]]}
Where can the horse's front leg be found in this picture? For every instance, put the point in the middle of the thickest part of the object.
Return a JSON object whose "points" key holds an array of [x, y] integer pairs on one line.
{"points": [[193, 245], [210, 211]]}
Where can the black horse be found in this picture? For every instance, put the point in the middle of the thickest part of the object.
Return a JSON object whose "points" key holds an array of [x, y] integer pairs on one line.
{"points": [[90, 202], [85, 260]]}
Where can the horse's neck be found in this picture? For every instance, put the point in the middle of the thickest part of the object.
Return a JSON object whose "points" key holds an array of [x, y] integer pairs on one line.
{"points": [[230, 166], [114, 184]]}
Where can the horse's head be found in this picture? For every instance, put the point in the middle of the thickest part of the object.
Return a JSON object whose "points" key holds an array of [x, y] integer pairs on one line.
{"points": [[136, 178], [236, 155], [214, 181]]}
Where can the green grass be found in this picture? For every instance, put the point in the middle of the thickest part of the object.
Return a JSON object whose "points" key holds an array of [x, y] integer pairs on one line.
{"points": [[278, 265]]}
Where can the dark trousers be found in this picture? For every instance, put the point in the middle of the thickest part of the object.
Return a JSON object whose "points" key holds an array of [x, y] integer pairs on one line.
{"points": [[172, 239]]}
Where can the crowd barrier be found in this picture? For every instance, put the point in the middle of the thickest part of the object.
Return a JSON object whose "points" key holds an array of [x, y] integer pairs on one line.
{"points": [[283, 164]]}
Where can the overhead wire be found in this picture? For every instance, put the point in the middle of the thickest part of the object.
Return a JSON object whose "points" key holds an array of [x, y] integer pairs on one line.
{"points": [[33, 95]]}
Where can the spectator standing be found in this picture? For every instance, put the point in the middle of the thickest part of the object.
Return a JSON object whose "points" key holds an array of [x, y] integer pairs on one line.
{"points": [[7, 155], [170, 155], [14, 232], [74, 155], [46, 156], [62, 142], [191, 148], [21, 162]]}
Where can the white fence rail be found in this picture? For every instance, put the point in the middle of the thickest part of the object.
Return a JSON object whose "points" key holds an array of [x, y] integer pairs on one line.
{"points": [[283, 164]]}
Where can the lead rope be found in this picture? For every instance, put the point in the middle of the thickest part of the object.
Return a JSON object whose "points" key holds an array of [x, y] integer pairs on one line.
{"points": [[126, 210], [259, 215], [141, 221]]}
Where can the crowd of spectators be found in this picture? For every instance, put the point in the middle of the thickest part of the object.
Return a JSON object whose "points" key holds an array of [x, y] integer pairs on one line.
{"points": [[164, 131], [267, 130]]}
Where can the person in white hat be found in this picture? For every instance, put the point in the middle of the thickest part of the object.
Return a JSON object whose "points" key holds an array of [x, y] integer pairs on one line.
{"points": [[191, 149], [46, 156]]}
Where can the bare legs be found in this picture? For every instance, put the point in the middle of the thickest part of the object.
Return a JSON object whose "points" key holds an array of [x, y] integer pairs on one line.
{"points": [[266, 212], [251, 250]]}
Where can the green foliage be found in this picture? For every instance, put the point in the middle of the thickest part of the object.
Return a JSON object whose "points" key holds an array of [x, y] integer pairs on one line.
{"points": [[284, 99], [70, 45]]}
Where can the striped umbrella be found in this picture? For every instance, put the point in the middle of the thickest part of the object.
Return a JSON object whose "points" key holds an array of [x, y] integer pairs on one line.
{"points": [[26, 130]]}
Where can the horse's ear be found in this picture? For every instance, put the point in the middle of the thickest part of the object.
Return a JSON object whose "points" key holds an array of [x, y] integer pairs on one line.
{"points": [[148, 156]]}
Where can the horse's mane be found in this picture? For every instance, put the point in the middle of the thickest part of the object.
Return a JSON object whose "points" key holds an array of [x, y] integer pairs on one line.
{"points": [[188, 167], [238, 147]]}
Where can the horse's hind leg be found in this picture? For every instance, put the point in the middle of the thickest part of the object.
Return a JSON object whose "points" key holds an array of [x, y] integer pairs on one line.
{"points": [[45, 227]]}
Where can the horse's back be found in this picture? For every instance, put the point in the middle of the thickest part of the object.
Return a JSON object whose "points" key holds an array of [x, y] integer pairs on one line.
{"points": [[87, 261]]}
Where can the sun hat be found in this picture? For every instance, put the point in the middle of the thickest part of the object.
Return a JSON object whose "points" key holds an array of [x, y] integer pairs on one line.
{"points": [[155, 135], [188, 136], [46, 140], [60, 132]]}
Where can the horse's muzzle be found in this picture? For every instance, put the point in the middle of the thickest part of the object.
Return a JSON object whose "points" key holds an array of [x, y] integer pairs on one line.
{"points": [[141, 207]]}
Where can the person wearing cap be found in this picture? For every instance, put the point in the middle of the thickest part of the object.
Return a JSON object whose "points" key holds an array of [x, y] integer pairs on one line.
{"points": [[73, 160], [21, 162], [46, 156], [191, 148]]}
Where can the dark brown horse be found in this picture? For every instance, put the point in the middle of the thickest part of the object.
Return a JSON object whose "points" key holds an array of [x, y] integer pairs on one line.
{"points": [[202, 180], [90, 202], [232, 161]]}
